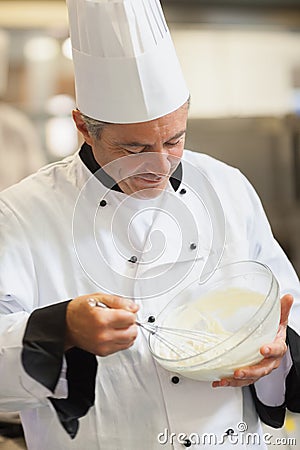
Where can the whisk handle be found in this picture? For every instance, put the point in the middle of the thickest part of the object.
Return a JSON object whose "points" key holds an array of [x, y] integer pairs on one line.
{"points": [[147, 327]]}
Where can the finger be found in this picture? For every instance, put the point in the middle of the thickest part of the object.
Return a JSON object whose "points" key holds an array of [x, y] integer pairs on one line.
{"points": [[258, 371], [128, 340], [243, 378], [276, 349], [220, 383], [123, 320], [232, 382], [116, 318], [114, 341], [125, 337], [116, 302]]}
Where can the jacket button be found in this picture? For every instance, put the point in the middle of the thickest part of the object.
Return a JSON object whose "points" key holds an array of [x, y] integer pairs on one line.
{"points": [[103, 203], [133, 259], [193, 246], [187, 443], [151, 319], [182, 191], [175, 380]]}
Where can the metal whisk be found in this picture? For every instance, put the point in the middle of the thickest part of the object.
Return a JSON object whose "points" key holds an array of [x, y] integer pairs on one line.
{"points": [[178, 341], [182, 345]]}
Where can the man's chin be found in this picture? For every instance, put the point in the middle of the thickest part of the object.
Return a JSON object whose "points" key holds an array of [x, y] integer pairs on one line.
{"points": [[148, 193]]}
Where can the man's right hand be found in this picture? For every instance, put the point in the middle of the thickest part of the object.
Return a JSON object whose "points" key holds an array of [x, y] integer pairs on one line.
{"points": [[101, 331]]}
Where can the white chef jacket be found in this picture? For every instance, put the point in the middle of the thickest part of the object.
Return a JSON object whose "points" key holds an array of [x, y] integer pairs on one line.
{"points": [[64, 234]]}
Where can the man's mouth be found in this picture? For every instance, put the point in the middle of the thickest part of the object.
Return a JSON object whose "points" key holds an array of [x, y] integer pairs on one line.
{"points": [[150, 178]]}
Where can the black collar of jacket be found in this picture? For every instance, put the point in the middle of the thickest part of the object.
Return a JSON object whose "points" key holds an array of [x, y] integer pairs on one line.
{"points": [[87, 157]]}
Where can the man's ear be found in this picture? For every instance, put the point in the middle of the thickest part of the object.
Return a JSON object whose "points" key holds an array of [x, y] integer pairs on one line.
{"points": [[81, 126]]}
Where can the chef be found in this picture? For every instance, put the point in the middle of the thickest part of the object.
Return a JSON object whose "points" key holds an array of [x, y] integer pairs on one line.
{"points": [[129, 221]]}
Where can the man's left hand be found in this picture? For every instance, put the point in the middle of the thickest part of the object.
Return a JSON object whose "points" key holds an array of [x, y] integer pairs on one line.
{"points": [[272, 353]]}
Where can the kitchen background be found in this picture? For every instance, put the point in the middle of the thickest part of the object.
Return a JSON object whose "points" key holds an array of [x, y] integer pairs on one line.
{"points": [[241, 60]]}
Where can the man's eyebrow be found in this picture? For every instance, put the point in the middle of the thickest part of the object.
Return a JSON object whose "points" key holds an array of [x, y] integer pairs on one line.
{"points": [[132, 144], [177, 135], [143, 144]]}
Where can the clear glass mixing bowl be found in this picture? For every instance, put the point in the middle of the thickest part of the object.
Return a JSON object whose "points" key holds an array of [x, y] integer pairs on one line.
{"points": [[239, 304]]}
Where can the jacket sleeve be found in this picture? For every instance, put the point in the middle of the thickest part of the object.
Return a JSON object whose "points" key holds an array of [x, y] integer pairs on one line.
{"points": [[18, 297], [292, 396], [279, 390], [273, 395], [34, 370], [18, 390], [42, 358]]}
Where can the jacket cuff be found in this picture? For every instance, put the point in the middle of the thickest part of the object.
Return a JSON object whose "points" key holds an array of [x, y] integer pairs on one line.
{"points": [[271, 389], [270, 415], [81, 376], [42, 359], [43, 344], [292, 396], [274, 415]]}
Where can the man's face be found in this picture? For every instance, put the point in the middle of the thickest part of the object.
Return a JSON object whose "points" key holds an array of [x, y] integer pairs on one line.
{"points": [[153, 149]]}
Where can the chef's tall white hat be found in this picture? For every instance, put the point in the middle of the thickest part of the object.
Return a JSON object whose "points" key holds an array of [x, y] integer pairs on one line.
{"points": [[126, 68]]}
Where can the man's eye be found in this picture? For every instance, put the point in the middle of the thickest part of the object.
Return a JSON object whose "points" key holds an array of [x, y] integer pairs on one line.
{"points": [[171, 144], [134, 149]]}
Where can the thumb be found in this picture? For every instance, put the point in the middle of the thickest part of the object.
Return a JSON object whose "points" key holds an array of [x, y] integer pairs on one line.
{"points": [[286, 304], [116, 302]]}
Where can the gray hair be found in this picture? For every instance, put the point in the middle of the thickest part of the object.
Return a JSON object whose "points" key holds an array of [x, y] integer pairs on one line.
{"points": [[95, 127]]}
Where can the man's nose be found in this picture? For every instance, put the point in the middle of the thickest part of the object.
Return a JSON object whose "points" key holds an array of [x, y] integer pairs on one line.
{"points": [[158, 161]]}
